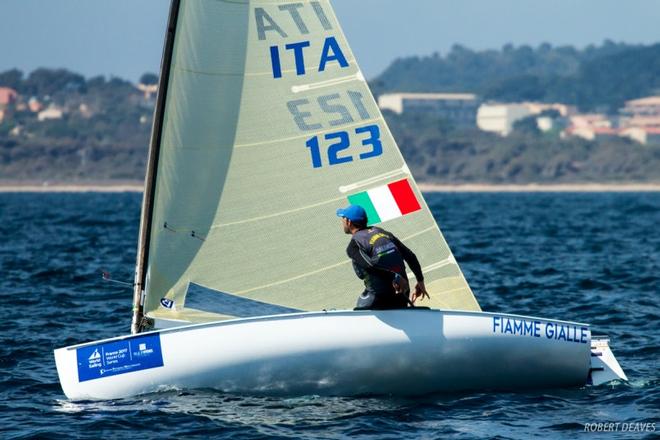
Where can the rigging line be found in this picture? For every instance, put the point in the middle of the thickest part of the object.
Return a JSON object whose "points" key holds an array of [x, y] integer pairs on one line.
{"points": [[106, 277], [323, 269], [331, 82], [310, 133], [352, 186], [277, 214]]}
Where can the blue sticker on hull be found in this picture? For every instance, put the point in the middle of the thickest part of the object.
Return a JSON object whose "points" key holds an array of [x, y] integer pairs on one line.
{"points": [[119, 357]]}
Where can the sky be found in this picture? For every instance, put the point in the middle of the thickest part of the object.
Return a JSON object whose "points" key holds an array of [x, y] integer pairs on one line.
{"points": [[124, 37]]}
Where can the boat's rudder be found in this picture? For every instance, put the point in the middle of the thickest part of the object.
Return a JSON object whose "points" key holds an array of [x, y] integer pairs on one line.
{"points": [[604, 366]]}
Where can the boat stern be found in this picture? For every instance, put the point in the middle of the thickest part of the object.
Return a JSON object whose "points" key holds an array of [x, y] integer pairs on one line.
{"points": [[604, 366]]}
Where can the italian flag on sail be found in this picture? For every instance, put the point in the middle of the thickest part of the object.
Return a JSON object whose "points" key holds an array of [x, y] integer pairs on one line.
{"points": [[387, 202]]}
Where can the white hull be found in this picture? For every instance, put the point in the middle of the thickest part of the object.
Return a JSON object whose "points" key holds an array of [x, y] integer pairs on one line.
{"points": [[399, 352]]}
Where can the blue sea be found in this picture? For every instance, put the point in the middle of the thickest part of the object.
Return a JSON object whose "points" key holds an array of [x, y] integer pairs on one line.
{"points": [[585, 257]]}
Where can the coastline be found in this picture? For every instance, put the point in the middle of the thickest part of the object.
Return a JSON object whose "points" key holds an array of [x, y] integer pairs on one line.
{"points": [[100, 187], [539, 188], [137, 187]]}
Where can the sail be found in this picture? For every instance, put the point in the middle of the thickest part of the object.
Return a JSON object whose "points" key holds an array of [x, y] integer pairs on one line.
{"points": [[269, 127]]}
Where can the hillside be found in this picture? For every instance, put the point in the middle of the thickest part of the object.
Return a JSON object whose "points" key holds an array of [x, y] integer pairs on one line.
{"points": [[440, 154], [594, 79], [98, 128], [103, 132]]}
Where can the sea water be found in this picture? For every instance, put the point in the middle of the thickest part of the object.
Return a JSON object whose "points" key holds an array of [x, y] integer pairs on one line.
{"points": [[591, 258]]}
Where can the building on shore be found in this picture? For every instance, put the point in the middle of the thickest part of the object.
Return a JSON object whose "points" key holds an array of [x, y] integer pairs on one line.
{"points": [[639, 125], [499, 118], [52, 112], [590, 126], [545, 123], [537, 108], [590, 120], [590, 133], [641, 113], [649, 106], [7, 96], [148, 90], [643, 135], [460, 109], [16, 131], [85, 110], [34, 105], [640, 120]]}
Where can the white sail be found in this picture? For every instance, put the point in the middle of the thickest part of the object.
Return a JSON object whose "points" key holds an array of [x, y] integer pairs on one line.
{"points": [[268, 128]]}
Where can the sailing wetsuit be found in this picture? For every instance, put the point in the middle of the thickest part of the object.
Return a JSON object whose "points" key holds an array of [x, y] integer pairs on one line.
{"points": [[378, 256]]}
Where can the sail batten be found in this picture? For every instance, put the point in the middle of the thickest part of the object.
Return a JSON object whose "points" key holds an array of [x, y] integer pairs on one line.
{"points": [[302, 136], [269, 127]]}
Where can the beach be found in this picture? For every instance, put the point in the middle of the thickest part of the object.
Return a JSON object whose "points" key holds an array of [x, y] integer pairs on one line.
{"points": [[538, 187], [101, 187]]}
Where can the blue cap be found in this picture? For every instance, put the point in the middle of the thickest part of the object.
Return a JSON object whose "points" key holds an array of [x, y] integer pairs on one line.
{"points": [[354, 213]]}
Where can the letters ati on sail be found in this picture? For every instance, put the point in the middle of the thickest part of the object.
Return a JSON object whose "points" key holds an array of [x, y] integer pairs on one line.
{"points": [[268, 126]]}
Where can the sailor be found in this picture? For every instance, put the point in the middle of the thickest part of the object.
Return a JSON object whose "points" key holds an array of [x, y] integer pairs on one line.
{"points": [[378, 259]]}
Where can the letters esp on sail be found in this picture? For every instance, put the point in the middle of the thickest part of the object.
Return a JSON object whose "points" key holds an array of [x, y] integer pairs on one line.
{"points": [[269, 127]]}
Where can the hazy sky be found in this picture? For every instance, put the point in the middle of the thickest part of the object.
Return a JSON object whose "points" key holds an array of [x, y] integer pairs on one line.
{"points": [[124, 37]]}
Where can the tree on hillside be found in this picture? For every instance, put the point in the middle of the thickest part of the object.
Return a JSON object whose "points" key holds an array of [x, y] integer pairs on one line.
{"points": [[611, 80], [527, 125], [149, 79], [597, 77], [517, 88], [43, 82], [12, 78]]}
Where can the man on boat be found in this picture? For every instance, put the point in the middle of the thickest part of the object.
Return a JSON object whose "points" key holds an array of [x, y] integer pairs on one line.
{"points": [[378, 259]]}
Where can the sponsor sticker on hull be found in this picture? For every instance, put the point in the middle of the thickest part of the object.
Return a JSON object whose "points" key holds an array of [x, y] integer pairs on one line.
{"points": [[119, 357], [556, 331]]}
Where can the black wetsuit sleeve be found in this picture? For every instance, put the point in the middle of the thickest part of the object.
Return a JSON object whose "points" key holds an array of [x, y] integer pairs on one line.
{"points": [[410, 258], [353, 251]]}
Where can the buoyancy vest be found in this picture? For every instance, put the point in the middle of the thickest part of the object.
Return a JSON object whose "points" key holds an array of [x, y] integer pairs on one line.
{"points": [[378, 248]]}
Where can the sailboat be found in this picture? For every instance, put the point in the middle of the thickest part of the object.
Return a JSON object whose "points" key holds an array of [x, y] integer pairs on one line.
{"points": [[264, 126]]}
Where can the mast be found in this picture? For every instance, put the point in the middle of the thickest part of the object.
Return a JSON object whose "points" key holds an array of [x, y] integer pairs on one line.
{"points": [[137, 323]]}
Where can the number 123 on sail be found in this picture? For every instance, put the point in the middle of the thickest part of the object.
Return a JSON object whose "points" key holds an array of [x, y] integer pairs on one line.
{"points": [[338, 148]]}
